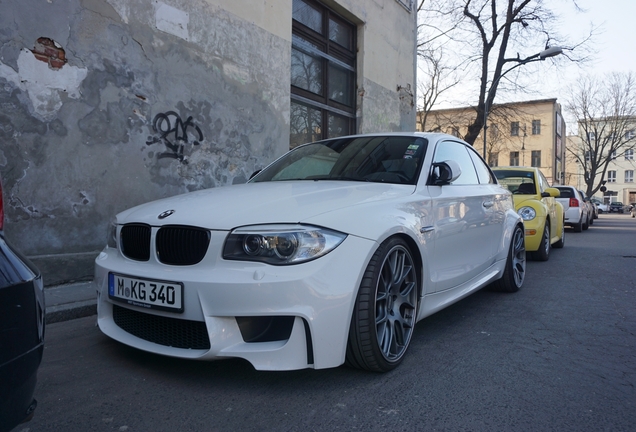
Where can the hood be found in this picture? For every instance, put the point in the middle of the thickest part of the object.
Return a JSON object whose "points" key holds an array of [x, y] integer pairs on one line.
{"points": [[228, 207], [520, 199]]}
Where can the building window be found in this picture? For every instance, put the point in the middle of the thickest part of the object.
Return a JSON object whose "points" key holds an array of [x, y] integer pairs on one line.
{"points": [[630, 134], [613, 155], [588, 155], [494, 131], [514, 128], [629, 154], [591, 136], [536, 127], [514, 158], [629, 176], [536, 158], [611, 176], [323, 74], [493, 159]]}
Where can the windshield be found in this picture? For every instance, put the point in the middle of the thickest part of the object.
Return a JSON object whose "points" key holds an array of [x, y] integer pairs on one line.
{"points": [[387, 159], [517, 182]]}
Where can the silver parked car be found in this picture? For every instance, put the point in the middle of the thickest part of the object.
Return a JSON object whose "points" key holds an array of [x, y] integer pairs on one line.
{"points": [[592, 208]]}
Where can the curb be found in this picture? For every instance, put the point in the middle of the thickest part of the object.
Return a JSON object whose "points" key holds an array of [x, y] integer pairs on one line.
{"points": [[55, 314], [70, 301]]}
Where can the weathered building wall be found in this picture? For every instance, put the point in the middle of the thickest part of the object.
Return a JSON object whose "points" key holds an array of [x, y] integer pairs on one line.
{"points": [[105, 104], [153, 100], [387, 37]]}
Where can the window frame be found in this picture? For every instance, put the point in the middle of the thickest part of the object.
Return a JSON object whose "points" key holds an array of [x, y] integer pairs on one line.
{"points": [[493, 159], [331, 54], [611, 176], [514, 128], [536, 127], [514, 157]]}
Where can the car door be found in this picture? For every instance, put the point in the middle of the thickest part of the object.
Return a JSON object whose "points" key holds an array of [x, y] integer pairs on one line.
{"points": [[464, 221]]}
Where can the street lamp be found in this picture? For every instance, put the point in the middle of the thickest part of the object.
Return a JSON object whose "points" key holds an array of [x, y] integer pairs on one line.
{"points": [[546, 53]]}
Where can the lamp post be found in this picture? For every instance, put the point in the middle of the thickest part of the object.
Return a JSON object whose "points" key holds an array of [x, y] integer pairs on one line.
{"points": [[548, 52]]}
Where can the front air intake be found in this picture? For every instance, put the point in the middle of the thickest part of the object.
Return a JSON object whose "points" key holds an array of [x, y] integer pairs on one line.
{"points": [[182, 245], [135, 241], [172, 332]]}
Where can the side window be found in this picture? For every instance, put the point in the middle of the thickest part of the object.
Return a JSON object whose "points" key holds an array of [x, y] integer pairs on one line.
{"points": [[450, 150], [543, 182], [483, 173]]}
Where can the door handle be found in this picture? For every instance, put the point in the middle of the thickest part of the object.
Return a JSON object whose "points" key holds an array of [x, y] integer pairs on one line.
{"points": [[488, 204]]}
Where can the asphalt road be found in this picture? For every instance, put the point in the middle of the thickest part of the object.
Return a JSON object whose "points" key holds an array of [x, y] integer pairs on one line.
{"points": [[558, 355]]}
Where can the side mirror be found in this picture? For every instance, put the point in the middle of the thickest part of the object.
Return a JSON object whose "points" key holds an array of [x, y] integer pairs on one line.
{"points": [[551, 192], [445, 172]]}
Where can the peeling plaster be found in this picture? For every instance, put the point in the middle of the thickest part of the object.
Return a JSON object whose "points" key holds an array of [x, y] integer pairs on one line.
{"points": [[122, 7], [172, 20], [44, 85]]}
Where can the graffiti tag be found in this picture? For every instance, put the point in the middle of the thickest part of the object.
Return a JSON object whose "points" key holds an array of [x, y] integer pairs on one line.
{"points": [[175, 134]]}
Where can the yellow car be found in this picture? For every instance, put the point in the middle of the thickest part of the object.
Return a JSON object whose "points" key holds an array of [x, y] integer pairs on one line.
{"points": [[535, 202]]}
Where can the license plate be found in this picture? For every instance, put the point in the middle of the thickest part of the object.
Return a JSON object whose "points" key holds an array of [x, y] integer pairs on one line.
{"points": [[146, 293]]}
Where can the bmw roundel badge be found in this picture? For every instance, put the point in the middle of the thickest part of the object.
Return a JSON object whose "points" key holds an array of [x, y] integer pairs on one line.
{"points": [[165, 214]]}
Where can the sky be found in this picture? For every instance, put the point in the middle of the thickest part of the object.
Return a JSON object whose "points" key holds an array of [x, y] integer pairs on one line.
{"points": [[614, 47]]}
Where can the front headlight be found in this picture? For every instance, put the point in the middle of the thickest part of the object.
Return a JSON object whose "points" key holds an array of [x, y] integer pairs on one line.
{"points": [[280, 244], [527, 213], [111, 242]]}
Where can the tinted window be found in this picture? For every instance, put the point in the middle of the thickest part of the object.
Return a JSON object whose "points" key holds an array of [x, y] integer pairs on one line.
{"points": [[484, 174], [565, 193], [383, 159], [517, 182], [455, 151]]}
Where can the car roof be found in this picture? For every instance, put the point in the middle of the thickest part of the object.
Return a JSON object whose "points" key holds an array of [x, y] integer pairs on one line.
{"points": [[514, 168]]}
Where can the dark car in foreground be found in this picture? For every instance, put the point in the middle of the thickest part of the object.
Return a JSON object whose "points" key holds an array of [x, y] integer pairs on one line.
{"points": [[21, 332]]}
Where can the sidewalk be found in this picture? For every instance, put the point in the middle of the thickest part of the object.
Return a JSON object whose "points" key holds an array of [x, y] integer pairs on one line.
{"points": [[70, 301]]}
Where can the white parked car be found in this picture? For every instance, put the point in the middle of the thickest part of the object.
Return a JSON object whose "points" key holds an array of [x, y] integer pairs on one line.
{"points": [[577, 214], [330, 254], [602, 207]]}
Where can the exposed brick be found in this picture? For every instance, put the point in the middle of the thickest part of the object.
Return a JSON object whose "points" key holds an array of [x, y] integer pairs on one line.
{"points": [[48, 51]]}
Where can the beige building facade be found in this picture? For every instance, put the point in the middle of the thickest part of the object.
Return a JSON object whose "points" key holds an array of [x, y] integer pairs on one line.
{"points": [[619, 177], [528, 133]]}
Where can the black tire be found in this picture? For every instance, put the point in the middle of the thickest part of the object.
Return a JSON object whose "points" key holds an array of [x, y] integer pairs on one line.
{"points": [[559, 244], [578, 227], [586, 224], [515, 271], [385, 311], [592, 219], [543, 253]]}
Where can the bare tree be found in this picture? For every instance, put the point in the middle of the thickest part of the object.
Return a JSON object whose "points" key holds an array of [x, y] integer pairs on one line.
{"points": [[438, 73], [485, 32], [437, 77], [605, 110]]}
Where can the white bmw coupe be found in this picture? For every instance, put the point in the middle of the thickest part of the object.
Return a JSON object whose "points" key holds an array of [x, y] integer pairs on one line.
{"points": [[329, 255]]}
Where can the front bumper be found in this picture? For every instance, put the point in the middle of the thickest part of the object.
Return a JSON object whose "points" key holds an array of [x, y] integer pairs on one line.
{"points": [[229, 298]]}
